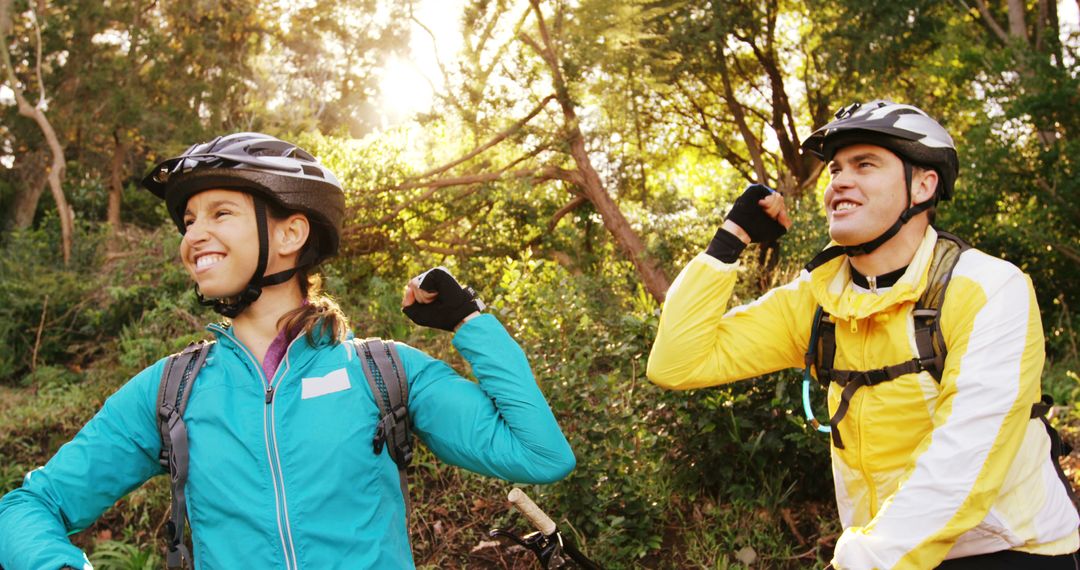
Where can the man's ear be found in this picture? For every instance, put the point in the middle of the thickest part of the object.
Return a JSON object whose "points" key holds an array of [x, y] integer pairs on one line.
{"points": [[292, 233], [923, 185]]}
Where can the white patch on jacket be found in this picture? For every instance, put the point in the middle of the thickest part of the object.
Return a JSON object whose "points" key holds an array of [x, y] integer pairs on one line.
{"points": [[336, 381]]}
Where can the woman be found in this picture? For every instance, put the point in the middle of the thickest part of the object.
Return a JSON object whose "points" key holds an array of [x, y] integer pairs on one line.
{"points": [[282, 471]]}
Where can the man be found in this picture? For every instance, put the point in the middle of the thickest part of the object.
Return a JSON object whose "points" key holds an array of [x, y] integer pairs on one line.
{"points": [[926, 469]]}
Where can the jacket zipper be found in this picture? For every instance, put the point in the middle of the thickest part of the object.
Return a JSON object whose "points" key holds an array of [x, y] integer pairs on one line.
{"points": [[270, 438]]}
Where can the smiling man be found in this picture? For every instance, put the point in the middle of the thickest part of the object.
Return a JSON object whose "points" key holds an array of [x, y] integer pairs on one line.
{"points": [[932, 352]]}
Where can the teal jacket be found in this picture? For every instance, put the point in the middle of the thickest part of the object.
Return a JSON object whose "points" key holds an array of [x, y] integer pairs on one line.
{"points": [[291, 481]]}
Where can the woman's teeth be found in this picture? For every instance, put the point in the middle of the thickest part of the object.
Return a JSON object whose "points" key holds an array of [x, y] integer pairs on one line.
{"points": [[208, 260]]}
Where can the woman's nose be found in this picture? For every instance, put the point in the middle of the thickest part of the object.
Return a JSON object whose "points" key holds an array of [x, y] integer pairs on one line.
{"points": [[194, 232]]}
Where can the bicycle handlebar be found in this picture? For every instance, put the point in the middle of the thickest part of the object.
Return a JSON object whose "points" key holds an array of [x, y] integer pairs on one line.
{"points": [[537, 517]]}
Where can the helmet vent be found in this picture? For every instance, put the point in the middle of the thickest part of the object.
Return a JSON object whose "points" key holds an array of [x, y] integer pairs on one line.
{"points": [[312, 170]]}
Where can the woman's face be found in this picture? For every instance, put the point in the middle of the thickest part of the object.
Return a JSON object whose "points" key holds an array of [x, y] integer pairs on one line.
{"points": [[220, 247]]}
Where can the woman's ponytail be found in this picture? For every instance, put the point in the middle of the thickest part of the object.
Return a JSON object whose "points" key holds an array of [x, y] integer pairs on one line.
{"points": [[319, 317]]}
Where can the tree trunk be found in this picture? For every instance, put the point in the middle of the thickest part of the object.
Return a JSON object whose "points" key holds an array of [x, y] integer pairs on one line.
{"points": [[56, 170], [654, 279], [31, 166], [116, 182]]}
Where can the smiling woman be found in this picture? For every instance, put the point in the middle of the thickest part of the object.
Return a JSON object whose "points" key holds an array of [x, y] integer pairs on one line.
{"points": [[262, 450]]}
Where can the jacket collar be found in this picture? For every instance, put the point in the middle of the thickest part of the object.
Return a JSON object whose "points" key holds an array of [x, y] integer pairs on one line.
{"points": [[831, 285], [299, 352]]}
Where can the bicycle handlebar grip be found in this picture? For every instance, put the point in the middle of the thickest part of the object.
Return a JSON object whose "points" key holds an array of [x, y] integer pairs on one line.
{"points": [[537, 517]]}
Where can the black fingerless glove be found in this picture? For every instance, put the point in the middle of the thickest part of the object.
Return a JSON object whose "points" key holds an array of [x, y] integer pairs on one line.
{"points": [[452, 304], [752, 218]]}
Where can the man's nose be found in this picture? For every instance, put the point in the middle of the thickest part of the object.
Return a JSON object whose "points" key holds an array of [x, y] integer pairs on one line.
{"points": [[840, 179]]}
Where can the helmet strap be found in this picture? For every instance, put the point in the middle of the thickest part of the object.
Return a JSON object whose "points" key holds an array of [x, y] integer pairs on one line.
{"points": [[835, 251], [233, 306], [307, 259]]}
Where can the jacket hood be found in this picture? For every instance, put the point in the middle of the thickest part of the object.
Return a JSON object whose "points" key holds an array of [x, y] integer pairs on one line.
{"points": [[831, 285]]}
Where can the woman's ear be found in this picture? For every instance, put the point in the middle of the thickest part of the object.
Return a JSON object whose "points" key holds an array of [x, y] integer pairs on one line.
{"points": [[291, 234], [924, 185]]}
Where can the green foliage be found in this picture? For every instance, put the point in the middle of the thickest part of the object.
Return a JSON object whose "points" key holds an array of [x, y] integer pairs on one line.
{"points": [[47, 311], [113, 555]]}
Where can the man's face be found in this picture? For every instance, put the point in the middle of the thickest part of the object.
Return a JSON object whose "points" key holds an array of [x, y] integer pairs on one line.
{"points": [[866, 193]]}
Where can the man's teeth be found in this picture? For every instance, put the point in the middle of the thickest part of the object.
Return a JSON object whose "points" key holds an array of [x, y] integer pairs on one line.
{"points": [[208, 260], [844, 206]]}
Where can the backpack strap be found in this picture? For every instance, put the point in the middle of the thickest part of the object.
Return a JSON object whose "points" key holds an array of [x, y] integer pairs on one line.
{"points": [[927, 312], [180, 372], [386, 376], [1058, 446], [928, 340]]}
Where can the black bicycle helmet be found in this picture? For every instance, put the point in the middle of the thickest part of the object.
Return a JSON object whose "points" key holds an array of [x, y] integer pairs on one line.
{"points": [[908, 132], [269, 169]]}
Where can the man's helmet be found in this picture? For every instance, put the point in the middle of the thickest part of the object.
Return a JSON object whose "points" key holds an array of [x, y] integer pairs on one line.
{"points": [[905, 130], [272, 171], [909, 133]]}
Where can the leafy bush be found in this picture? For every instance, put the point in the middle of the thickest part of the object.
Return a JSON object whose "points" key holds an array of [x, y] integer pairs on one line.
{"points": [[48, 311]]}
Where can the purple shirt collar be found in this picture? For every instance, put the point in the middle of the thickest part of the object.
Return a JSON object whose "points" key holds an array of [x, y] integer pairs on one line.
{"points": [[276, 352]]}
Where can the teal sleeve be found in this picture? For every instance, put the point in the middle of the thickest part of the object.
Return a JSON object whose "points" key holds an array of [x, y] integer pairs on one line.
{"points": [[115, 452], [501, 426]]}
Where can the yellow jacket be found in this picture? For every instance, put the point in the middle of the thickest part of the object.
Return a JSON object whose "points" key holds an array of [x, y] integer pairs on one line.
{"points": [[929, 471]]}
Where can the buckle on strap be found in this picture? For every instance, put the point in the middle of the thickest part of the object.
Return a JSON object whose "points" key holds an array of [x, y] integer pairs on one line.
{"points": [[924, 314], [380, 434], [387, 427]]}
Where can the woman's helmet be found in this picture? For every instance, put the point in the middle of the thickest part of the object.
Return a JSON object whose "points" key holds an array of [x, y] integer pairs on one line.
{"points": [[272, 171], [908, 132]]}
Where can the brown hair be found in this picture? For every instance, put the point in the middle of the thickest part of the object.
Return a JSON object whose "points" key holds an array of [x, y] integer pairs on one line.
{"points": [[319, 316]]}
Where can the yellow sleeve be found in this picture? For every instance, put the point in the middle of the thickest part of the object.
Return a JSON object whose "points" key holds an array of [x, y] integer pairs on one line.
{"points": [[699, 344]]}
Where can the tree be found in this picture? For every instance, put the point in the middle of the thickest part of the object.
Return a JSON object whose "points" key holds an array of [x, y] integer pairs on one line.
{"points": [[36, 112], [499, 78], [131, 80]]}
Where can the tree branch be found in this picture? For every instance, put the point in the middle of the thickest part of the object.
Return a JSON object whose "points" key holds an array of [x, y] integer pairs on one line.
{"points": [[736, 108], [726, 152], [498, 138], [433, 186], [990, 22], [56, 170], [434, 47], [570, 206], [37, 49]]}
